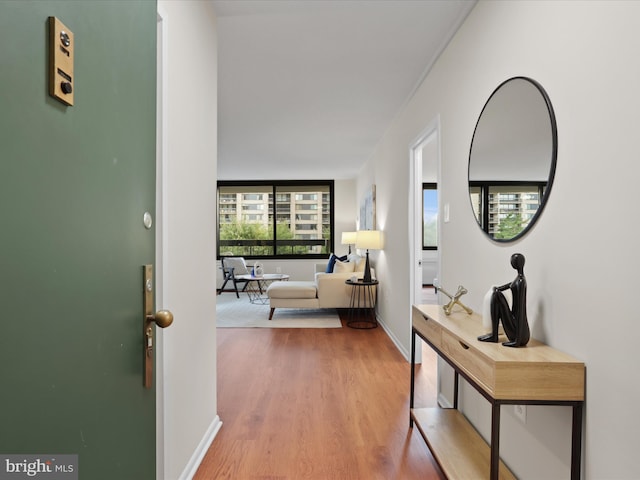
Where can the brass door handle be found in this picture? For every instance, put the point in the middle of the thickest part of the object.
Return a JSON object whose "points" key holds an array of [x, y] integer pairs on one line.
{"points": [[163, 318]]}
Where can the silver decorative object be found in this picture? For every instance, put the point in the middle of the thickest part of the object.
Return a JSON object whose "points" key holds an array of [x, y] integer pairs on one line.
{"points": [[455, 299]]}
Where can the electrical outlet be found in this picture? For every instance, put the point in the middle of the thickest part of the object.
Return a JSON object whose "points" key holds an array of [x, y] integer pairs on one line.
{"points": [[521, 412]]}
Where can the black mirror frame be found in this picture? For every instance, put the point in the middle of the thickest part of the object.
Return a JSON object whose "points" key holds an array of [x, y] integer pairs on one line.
{"points": [[552, 168]]}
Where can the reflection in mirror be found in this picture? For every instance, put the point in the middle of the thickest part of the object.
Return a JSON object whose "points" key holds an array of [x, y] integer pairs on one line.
{"points": [[512, 159]]}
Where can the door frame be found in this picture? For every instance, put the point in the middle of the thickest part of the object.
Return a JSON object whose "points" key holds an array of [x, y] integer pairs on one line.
{"points": [[161, 234], [429, 134]]}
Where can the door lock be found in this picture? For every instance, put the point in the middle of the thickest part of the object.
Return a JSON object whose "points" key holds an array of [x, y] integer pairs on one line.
{"points": [[162, 318]]}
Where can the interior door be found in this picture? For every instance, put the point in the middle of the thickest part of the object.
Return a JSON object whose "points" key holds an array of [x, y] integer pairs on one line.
{"points": [[75, 183]]}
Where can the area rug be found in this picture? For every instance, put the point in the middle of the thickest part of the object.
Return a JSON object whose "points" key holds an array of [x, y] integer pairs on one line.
{"points": [[232, 312]]}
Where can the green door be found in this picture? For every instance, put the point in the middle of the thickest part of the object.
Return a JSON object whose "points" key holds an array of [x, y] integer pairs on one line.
{"points": [[75, 182]]}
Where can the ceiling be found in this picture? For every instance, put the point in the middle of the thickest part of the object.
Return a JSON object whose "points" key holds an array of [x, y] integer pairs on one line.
{"points": [[307, 88]]}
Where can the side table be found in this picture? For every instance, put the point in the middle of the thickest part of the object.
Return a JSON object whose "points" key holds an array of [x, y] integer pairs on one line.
{"points": [[362, 308]]}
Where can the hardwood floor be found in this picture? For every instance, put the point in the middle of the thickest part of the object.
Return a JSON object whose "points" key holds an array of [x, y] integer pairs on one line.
{"points": [[326, 404], [429, 296]]}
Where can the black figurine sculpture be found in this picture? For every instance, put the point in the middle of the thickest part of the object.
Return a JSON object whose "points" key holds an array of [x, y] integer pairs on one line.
{"points": [[514, 320]]}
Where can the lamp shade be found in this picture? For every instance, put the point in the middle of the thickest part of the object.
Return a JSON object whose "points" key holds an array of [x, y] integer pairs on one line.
{"points": [[370, 239], [349, 238]]}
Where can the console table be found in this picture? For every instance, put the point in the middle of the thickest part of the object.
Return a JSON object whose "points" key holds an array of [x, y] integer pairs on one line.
{"points": [[533, 375]]}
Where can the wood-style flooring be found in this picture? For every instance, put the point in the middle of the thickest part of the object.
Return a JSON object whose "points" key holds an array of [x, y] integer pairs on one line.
{"points": [[325, 404]]}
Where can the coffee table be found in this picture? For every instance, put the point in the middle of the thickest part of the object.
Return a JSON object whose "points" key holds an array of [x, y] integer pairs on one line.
{"points": [[257, 286]]}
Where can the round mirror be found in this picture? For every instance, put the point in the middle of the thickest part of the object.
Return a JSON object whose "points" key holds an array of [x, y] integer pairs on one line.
{"points": [[512, 159]]}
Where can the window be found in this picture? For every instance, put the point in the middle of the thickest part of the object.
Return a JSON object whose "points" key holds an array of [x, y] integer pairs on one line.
{"points": [[429, 216], [246, 208], [306, 226], [305, 217], [306, 196], [252, 218], [281, 219]]}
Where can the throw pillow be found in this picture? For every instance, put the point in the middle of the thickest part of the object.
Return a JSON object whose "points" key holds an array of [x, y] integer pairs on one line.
{"points": [[358, 261], [341, 267], [332, 261]]}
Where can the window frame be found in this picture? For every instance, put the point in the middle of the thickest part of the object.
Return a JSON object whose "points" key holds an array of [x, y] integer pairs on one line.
{"points": [[275, 185], [484, 186], [428, 186]]}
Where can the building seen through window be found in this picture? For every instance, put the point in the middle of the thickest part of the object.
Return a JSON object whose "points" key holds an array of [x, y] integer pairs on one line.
{"points": [[288, 219], [504, 210]]}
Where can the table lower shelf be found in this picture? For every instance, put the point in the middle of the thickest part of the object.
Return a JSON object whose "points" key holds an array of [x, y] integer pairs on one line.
{"points": [[457, 447]]}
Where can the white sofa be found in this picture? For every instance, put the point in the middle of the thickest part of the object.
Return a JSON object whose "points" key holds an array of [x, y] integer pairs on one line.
{"points": [[327, 290]]}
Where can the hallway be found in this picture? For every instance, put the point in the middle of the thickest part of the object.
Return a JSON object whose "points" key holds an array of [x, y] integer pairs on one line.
{"points": [[317, 404]]}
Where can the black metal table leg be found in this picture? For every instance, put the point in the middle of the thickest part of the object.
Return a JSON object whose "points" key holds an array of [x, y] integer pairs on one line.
{"points": [[456, 378], [495, 441], [576, 441]]}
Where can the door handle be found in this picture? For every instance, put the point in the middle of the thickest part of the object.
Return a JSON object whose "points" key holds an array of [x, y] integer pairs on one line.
{"points": [[162, 318]]}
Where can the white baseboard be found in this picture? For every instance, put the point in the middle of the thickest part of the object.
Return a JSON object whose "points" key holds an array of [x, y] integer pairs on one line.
{"points": [[199, 453], [395, 340], [443, 401]]}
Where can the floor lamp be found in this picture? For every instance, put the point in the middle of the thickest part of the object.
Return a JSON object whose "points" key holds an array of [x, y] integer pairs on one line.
{"points": [[369, 240]]}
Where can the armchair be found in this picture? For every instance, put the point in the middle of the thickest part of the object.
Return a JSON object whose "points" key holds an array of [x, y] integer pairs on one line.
{"points": [[234, 269]]}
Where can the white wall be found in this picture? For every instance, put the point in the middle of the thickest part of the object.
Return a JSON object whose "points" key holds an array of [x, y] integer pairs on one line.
{"points": [[344, 216], [302, 270], [581, 255], [189, 345]]}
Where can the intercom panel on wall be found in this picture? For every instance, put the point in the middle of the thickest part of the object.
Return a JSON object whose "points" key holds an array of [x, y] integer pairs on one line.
{"points": [[61, 53]]}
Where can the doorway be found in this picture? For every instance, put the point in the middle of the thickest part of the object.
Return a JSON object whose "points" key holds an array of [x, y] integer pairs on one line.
{"points": [[424, 268]]}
